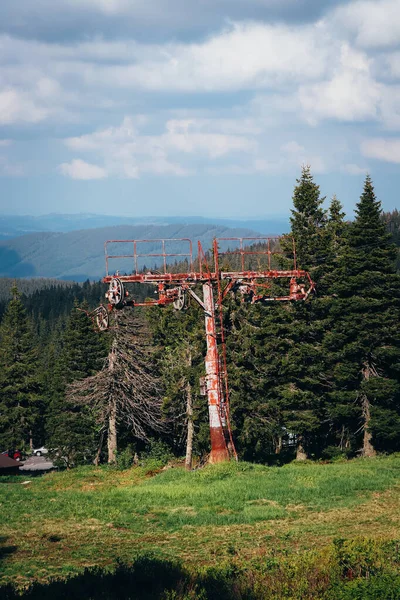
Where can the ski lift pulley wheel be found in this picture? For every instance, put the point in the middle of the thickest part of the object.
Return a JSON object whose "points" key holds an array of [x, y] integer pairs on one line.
{"points": [[180, 300], [116, 292], [102, 318]]}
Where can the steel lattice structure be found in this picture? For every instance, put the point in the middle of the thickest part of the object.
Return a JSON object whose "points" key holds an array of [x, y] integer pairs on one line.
{"points": [[248, 266]]}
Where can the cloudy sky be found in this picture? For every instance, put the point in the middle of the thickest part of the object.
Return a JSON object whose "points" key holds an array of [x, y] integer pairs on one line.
{"points": [[196, 107]]}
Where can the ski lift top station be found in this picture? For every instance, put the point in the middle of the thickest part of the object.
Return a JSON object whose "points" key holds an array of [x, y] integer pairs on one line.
{"points": [[254, 269]]}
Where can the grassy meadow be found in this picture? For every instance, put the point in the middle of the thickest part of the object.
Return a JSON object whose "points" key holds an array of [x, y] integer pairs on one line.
{"points": [[233, 530]]}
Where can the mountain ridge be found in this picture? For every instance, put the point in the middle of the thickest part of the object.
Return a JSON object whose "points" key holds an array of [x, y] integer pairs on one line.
{"points": [[79, 254], [17, 225]]}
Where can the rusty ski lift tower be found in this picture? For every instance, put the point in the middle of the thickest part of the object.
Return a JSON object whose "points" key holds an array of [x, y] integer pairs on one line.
{"points": [[252, 273]]}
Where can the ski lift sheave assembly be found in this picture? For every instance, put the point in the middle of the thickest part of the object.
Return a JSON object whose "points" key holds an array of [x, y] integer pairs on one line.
{"points": [[249, 266]]}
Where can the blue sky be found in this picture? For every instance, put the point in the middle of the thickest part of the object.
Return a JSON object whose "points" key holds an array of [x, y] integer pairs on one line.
{"points": [[196, 107]]}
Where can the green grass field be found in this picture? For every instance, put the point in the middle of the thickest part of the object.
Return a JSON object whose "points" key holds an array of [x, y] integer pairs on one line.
{"points": [[297, 531]]}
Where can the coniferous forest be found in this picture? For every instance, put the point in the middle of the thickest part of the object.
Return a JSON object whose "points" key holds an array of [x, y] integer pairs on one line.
{"points": [[315, 379]]}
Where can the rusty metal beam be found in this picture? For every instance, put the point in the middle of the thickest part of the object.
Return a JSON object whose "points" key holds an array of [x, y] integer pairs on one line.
{"points": [[219, 449]]}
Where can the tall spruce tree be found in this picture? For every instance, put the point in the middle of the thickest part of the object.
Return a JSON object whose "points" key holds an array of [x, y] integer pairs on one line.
{"points": [[275, 360], [20, 400], [363, 342], [71, 426], [335, 229], [303, 393], [308, 224], [259, 343], [337, 415]]}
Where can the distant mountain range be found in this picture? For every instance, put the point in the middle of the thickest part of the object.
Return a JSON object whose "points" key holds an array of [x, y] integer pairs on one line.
{"points": [[79, 255], [12, 225], [71, 247]]}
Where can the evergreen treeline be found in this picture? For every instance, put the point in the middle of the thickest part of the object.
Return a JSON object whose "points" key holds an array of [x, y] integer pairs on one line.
{"points": [[309, 379]]}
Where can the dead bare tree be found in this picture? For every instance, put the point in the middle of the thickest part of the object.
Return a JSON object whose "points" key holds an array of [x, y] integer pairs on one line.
{"points": [[368, 370], [189, 416], [127, 389]]}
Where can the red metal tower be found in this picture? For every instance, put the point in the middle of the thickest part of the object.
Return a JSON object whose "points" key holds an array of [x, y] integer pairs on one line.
{"points": [[250, 268]]}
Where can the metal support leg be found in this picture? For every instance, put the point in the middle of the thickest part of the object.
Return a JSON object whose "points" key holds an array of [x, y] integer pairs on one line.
{"points": [[219, 450]]}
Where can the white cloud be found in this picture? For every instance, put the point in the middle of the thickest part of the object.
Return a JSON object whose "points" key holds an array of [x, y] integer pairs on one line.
{"points": [[30, 95], [183, 136], [392, 62], [288, 158], [139, 8], [306, 69], [162, 166], [180, 135], [387, 150], [79, 169], [375, 24], [47, 88], [236, 121], [244, 55], [390, 107], [127, 152], [294, 76], [294, 154], [350, 95], [353, 169], [16, 107], [158, 19], [4, 143], [292, 148]]}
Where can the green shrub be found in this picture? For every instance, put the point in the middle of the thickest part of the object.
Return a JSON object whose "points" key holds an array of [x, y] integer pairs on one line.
{"points": [[382, 587], [159, 451], [335, 453], [362, 557], [125, 458]]}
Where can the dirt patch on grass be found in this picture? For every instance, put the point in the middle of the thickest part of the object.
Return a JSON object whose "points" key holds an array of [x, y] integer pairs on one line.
{"points": [[296, 508], [263, 502], [186, 510]]}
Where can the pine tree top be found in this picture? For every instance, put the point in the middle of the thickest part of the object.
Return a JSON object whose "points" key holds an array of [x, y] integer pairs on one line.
{"points": [[15, 293], [306, 197], [367, 257], [368, 227], [308, 222], [336, 212]]}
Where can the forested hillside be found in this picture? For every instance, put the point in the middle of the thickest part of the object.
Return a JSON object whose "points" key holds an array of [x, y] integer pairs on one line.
{"points": [[79, 255], [47, 298], [28, 286], [312, 379]]}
